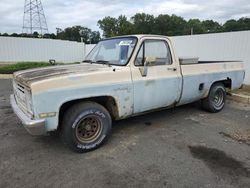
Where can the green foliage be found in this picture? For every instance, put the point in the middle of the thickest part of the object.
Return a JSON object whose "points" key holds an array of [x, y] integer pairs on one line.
{"points": [[9, 69], [196, 26], [165, 24], [109, 26], [237, 25], [70, 33], [169, 25], [113, 27], [141, 23], [212, 26], [124, 27], [75, 33], [231, 25]]}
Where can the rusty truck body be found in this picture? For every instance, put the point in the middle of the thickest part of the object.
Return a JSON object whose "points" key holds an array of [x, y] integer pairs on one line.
{"points": [[121, 77]]}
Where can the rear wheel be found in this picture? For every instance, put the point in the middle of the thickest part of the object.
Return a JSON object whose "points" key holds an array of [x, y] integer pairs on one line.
{"points": [[216, 98], [85, 126]]}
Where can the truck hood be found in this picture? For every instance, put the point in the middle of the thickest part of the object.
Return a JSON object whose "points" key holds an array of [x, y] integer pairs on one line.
{"points": [[27, 77]]}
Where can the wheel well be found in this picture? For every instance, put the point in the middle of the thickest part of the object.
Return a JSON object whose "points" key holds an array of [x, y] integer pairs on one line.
{"points": [[227, 83], [107, 101]]}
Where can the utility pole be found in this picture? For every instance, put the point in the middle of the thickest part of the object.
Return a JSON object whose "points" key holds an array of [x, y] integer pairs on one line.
{"points": [[34, 18]]}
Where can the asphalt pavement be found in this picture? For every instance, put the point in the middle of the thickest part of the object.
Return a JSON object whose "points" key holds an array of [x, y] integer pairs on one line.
{"points": [[181, 147]]}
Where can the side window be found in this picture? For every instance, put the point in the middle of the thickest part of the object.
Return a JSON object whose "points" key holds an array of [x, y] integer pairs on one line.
{"points": [[154, 48], [139, 59]]}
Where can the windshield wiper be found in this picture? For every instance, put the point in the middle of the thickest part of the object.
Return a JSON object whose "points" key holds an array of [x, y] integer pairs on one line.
{"points": [[98, 61], [103, 62]]}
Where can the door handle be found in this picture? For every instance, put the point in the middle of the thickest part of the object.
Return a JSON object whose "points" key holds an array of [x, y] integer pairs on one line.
{"points": [[172, 69]]}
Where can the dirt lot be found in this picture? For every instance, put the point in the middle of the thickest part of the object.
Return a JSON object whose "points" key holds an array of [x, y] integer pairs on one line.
{"points": [[182, 147]]}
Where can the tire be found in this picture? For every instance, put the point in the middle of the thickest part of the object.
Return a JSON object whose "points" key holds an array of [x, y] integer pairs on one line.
{"points": [[85, 126], [216, 98]]}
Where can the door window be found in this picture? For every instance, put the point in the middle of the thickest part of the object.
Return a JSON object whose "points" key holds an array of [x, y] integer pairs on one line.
{"points": [[154, 48]]}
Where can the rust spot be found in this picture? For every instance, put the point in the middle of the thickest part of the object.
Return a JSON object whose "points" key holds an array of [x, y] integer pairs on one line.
{"points": [[122, 89], [112, 108], [40, 74]]}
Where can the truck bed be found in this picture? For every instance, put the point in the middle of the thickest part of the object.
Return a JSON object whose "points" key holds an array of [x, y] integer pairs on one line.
{"points": [[197, 78]]}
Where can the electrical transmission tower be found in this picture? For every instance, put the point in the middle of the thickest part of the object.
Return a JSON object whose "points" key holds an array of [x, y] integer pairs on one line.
{"points": [[34, 18]]}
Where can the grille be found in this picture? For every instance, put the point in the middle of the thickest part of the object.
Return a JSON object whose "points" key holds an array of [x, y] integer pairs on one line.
{"points": [[20, 93]]}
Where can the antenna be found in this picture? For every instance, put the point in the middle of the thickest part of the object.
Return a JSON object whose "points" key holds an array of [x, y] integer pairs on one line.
{"points": [[34, 18]]}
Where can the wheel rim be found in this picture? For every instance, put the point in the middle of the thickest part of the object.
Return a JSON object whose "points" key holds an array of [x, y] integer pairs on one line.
{"points": [[88, 129], [218, 98]]}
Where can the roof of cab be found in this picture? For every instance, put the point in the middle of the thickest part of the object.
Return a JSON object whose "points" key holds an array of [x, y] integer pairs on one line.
{"points": [[140, 36]]}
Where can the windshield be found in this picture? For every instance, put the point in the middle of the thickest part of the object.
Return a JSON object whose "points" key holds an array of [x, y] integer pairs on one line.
{"points": [[112, 51]]}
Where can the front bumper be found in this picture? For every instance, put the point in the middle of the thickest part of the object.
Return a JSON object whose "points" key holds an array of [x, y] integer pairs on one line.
{"points": [[34, 127]]}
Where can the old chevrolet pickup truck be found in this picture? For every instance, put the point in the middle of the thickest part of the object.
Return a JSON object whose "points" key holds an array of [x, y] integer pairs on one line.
{"points": [[121, 77]]}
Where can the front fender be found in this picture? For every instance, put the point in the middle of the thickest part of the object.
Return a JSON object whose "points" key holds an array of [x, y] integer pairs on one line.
{"points": [[52, 100]]}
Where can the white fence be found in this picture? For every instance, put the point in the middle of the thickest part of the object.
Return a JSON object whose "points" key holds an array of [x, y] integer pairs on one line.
{"points": [[88, 48], [219, 46], [27, 49]]}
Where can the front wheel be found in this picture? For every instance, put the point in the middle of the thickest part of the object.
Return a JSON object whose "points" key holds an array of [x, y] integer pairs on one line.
{"points": [[85, 126], [216, 98]]}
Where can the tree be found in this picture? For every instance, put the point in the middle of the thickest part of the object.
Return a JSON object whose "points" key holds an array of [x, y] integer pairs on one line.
{"points": [[143, 23], [244, 24], [124, 27], [113, 27], [195, 26], [49, 36], [95, 37], [231, 25], [212, 26], [5, 34], [36, 34], [169, 25], [177, 25], [109, 26], [76, 33], [162, 25], [14, 35]]}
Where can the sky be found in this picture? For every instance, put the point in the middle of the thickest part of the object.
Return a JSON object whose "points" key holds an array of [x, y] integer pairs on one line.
{"points": [[66, 13]]}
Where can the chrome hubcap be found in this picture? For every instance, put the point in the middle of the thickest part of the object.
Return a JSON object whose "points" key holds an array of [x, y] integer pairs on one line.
{"points": [[218, 99]]}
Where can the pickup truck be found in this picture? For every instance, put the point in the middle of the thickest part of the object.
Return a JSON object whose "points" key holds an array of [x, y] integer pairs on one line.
{"points": [[121, 77]]}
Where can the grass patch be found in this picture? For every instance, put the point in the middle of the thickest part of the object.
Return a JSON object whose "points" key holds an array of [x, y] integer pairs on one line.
{"points": [[9, 69]]}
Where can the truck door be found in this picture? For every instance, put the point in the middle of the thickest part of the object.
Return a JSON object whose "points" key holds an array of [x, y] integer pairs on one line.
{"points": [[161, 86]]}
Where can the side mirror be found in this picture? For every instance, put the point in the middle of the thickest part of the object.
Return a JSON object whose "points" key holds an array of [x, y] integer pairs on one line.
{"points": [[150, 61]]}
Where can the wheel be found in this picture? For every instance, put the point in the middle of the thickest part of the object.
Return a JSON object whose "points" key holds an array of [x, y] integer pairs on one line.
{"points": [[85, 126], [216, 98]]}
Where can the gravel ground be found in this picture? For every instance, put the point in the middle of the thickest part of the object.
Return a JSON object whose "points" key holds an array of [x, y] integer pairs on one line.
{"points": [[181, 147]]}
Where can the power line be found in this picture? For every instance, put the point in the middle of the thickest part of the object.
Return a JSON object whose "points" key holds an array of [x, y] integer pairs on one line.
{"points": [[34, 18]]}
